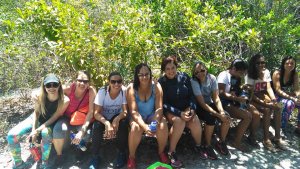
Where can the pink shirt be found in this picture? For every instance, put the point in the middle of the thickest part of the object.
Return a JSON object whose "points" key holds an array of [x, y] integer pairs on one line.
{"points": [[75, 102]]}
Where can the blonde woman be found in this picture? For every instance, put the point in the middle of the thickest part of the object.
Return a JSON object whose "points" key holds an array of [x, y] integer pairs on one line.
{"points": [[49, 106]]}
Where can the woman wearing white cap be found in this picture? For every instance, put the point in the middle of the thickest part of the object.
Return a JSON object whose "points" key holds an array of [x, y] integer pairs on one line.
{"points": [[49, 106]]}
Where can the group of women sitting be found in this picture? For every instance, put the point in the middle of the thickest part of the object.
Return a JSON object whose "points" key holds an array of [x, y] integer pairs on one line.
{"points": [[162, 109]]}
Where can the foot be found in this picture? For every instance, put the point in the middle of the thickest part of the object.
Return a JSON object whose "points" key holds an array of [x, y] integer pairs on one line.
{"points": [[175, 163], [94, 163], [211, 153], [164, 158], [222, 147], [22, 165], [280, 144], [202, 152], [252, 142], [240, 147], [58, 161], [269, 146], [120, 160], [131, 163]]}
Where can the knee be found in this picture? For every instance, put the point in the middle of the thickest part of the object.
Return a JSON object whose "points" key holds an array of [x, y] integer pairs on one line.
{"points": [[134, 128], [11, 138], [178, 122]]}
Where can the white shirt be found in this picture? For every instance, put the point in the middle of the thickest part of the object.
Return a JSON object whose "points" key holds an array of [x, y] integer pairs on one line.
{"points": [[111, 107]]}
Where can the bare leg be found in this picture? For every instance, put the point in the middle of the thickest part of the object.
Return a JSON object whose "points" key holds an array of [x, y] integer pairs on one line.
{"points": [[208, 131], [134, 138], [58, 145], [162, 135], [175, 131], [196, 129]]}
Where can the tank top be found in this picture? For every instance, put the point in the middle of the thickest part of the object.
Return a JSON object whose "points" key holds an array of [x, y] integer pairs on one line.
{"points": [[50, 109], [75, 102], [146, 108]]}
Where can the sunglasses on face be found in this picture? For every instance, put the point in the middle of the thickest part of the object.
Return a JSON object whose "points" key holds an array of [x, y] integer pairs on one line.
{"points": [[261, 63], [52, 85], [116, 81], [201, 71], [143, 75], [82, 81]]}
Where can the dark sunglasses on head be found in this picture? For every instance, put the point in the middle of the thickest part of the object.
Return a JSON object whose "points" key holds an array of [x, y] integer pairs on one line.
{"points": [[83, 81], [53, 85], [261, 63], [115, 81]]}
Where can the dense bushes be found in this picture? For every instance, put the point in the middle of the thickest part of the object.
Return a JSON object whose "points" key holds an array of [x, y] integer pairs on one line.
{"points": [[101, 36]]}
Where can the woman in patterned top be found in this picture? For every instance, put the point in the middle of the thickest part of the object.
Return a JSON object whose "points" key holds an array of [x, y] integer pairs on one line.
{"points": [[286, 86]]}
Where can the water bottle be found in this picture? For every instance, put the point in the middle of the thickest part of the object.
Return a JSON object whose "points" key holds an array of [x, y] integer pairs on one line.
{"points": [[81, 144], [35, 152], [152, 126], [245, 95]]}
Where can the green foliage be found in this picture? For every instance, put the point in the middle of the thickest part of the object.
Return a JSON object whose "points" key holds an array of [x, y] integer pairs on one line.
{"points": [[102, 36]]}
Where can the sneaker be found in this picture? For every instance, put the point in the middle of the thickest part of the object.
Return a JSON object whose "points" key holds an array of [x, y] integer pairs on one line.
{"points": [[174, 161], [201, 151], [120, 160], [164, 158], [131, 163], [23, 165], [94, 163], [222, 147], [211, 153]]}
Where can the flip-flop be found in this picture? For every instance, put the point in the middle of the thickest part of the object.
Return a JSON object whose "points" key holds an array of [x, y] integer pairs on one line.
{"points": [[269, 146]]}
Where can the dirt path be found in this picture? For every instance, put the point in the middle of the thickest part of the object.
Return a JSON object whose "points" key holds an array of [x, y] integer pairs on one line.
{"points": [[14, 111]]}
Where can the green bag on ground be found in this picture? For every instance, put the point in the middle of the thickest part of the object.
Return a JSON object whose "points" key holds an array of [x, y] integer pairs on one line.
{"points": [[159, 165]]}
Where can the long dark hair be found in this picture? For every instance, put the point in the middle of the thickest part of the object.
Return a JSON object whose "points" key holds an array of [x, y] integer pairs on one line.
{"points": [[253, 71], [136, 80], [282, 70]]}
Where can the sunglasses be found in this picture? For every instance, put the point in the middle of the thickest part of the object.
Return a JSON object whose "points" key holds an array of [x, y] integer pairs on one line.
{"points": [[143, 75], [201, 71], [261, 63], [116, 81], [82, 81], [52, 85]]}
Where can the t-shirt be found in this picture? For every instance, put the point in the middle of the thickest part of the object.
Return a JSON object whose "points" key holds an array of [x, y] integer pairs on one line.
{"points": [[205, 89], [111, 107], [260, 85], [232, 84]]}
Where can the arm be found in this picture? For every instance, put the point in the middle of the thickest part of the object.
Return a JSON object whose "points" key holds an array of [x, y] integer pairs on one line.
{"points": [[217, 101], [229, 96], [158, 103], [59, 112], [90, 114], [134, 110]]}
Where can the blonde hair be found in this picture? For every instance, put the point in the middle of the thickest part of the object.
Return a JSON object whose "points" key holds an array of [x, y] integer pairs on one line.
{"points": [[40, 107]]}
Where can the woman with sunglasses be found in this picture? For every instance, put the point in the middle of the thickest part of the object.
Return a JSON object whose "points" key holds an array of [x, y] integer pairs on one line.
{"points": [[233, 100], [145, 104], [286, 86], [259, 78], [50, 104], [209, 108], [111, 122], [179, 108], [81, 95]]}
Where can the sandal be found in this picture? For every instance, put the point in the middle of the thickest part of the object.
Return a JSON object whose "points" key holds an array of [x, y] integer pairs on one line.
{"points": [[269, 146], [280, 144], [23, 165]]}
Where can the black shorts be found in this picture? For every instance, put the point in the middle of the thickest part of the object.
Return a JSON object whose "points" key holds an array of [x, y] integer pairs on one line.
{"points": [[206, 116]]}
